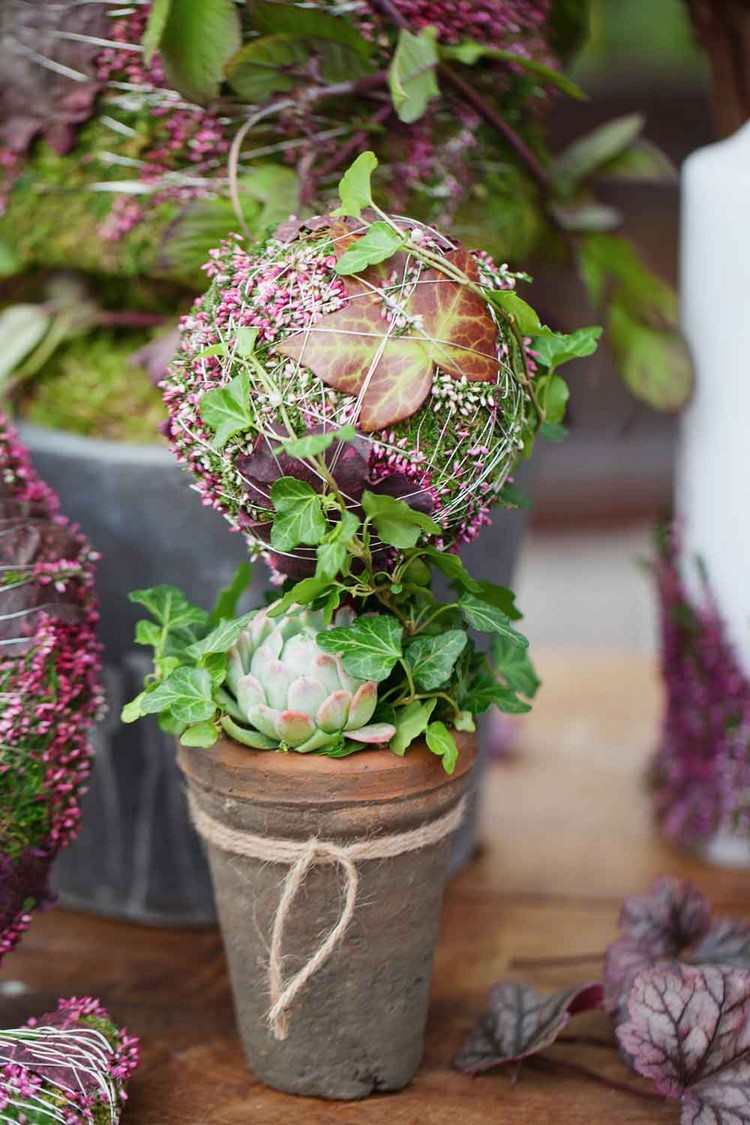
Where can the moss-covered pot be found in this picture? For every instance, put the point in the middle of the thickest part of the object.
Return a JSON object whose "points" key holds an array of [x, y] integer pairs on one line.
{"points": [[357, 1025]]}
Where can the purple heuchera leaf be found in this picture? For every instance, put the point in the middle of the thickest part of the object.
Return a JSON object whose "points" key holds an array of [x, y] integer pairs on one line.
{"points": [[726, 943], [655, 928], [688, 1030], [520, 1022]]}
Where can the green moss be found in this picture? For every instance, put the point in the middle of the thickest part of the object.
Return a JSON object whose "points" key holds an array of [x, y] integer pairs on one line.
{"points": [[53, 216], [90, 387]]}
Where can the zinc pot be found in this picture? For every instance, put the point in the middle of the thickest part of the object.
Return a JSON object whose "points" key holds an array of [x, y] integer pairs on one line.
{"points": [[357, 1025], [137, 856]]}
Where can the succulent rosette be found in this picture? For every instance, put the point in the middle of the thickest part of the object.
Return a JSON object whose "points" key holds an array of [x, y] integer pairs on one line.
{"points": [[290, 693], [381, 346], [70, 1065], [49, 689]]}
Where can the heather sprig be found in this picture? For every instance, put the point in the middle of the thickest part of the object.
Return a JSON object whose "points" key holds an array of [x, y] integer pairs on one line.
{"points": [[702, 768], [69, 1066], [49, 686]]}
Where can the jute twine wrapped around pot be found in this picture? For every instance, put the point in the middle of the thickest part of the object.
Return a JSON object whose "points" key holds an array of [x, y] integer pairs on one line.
{"points": [[301, 857]]}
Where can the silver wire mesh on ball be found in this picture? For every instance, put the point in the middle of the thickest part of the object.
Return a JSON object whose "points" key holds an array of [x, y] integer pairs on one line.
{"points": [[410, 352]]}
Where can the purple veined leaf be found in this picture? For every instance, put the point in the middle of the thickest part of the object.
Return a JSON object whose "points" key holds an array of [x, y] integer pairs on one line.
{"points": [[727, 943], [521, 1022], [623, 961], [670, 916], [688, 1030]]}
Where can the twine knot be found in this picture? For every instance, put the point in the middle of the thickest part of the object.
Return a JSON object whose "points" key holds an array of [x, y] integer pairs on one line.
{"points": [[301, 856]]}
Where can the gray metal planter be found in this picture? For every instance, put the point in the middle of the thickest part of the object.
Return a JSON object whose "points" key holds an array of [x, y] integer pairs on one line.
{"points": [[137, 856]]}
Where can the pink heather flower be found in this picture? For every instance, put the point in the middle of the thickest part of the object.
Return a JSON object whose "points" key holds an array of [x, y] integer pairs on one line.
{"points": [[49, 681], [703, 764]]}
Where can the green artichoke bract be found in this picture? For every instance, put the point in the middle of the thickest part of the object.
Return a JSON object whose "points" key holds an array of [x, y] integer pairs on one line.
{"points": [[286, 692]]}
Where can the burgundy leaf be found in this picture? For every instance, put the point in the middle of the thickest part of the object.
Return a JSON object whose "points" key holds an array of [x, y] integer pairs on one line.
{"points": [[520, 1022], [688, 1030], [624, 959]]}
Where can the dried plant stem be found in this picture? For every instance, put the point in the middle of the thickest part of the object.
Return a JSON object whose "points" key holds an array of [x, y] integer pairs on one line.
{"points": [[555, 962], [594, 1076]]}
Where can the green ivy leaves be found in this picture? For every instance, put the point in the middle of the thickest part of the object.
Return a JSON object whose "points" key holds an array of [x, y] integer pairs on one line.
{"points": [[355, 187], [412, 73], [396, 523], [369, 648], [299, 514], [432, 659], [379, 243]]}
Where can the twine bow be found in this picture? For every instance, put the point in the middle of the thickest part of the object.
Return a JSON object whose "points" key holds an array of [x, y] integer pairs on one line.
{"points": [[301, 857]]}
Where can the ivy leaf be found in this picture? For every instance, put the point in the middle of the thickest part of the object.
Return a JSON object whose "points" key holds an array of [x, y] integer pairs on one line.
{"points": [[259, 69], [197, 38], [432, 659], [511, 497], [170, 608], [369, 648], [221, 638], [355, 189], [642, 162], [587, 154], [442, 743], [313, 444], [553, 349], [469, 52], [307, 23], [412, 73], [226, 410], [553, 431], [453, 568], [485, 692], [302, 593], [354, 351], [379, 242], [513, 664], [204, 735], [410, 722], [500, 597], [299, 517], [225, 605], [22, 327], [489, 619], [521, 1022], [155, 24], [519, 311], [552, 394], [688, 1030], [330, 559], [186, 694], [654, 363], [396, 523]]}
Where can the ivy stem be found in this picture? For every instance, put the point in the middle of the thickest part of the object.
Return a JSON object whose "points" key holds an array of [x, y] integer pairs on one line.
{"points": [[409, 680]]}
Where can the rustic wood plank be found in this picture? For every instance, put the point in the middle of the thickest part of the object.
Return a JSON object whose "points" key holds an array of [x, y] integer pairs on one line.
{"points": [[568, 832]]}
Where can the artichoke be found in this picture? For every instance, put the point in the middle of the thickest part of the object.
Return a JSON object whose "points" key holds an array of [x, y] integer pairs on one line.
{"points": [[283, 691]]}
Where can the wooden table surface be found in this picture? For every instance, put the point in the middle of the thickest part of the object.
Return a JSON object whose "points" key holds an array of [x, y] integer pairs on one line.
{"points": [[567, 833]]}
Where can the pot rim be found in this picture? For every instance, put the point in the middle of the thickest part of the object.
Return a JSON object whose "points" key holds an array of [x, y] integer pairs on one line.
{"points": [[44, 439], [294, 780]]}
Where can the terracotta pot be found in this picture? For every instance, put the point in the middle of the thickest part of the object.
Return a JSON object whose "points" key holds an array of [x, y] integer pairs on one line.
{"points": [[357, 1025]]}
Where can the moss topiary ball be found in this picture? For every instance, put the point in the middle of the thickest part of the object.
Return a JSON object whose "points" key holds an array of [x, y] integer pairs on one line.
{"points": [[379, 325]]}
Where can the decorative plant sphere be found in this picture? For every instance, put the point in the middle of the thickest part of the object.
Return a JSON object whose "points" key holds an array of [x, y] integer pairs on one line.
{"points": [[379, 329], [49, 687], [70, 1065]]}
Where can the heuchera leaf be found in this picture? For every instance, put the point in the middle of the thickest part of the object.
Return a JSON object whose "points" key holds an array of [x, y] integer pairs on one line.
{"points": [[655, 928], [688, 1030], [520, 1022], [356, 351]]}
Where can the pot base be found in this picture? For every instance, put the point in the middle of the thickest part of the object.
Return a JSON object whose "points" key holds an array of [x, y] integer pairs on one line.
{"points": [[357, 1025]]}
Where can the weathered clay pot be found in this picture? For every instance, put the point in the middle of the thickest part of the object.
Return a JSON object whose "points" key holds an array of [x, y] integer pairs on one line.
{"points": [[357, 1025]]}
